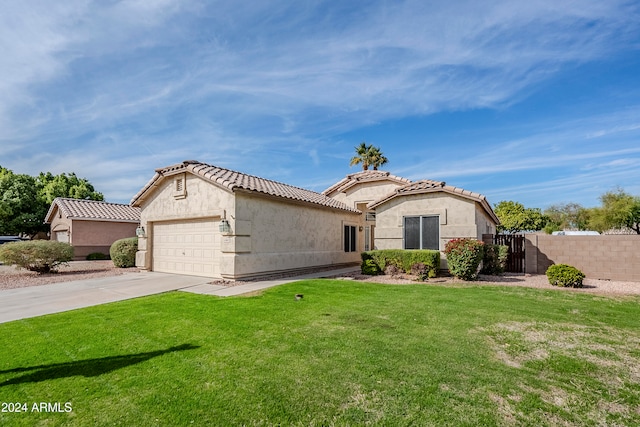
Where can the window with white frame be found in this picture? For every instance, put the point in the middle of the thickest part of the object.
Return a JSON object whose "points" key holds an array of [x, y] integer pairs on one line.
{"points": [[422, 232], [350, 237]]}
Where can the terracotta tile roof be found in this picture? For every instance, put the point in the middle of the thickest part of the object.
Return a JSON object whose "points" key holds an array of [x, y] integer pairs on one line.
{"points": [[363, 176], [93, 210], [238, 181], [429, 186]]}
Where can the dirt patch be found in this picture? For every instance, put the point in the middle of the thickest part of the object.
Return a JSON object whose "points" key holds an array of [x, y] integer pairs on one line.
{"points": [[515, 343], [611, 352], [12, 277]]}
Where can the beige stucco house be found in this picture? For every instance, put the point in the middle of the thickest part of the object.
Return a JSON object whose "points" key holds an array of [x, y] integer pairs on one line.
{"points": [[205, 220], [91, 226], [401, 214]]}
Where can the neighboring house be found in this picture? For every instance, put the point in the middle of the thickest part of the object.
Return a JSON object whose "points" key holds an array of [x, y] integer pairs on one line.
{"points": [[205, 220], [91, 226]]}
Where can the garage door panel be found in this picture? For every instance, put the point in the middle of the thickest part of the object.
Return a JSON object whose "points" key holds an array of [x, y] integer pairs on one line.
{"points": [[187, 247]]}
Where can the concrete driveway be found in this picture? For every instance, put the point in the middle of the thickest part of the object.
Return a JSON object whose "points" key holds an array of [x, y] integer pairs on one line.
{"points": [[22, 303], [46, 299]]}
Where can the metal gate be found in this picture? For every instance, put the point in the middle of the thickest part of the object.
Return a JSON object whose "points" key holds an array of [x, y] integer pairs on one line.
{"points": [[515, 258]]}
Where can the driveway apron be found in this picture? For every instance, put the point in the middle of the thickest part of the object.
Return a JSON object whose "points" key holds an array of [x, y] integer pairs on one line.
{"points": [[35, 301]]}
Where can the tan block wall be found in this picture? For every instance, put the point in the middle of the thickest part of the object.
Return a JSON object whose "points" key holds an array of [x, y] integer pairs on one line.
{"points": [[613, 257]]}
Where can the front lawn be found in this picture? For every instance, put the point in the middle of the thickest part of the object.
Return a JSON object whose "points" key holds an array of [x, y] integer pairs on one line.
{"points": [[347, 353]]}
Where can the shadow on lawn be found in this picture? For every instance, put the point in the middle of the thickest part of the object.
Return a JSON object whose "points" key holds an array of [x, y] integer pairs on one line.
{"points": [[86, 368]]}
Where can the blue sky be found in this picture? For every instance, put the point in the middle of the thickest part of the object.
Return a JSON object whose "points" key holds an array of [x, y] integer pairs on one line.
{"points": [[535, 101]]}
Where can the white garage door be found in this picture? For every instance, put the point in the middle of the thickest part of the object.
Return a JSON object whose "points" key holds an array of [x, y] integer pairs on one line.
{"points": [[187, 247]]}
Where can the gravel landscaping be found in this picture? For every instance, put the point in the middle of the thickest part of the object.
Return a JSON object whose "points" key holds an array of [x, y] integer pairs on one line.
{"points": [[595, 286], [11, 278]]}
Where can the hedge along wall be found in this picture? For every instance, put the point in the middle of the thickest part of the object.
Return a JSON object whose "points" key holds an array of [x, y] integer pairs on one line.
{"points": [[613, 257]]}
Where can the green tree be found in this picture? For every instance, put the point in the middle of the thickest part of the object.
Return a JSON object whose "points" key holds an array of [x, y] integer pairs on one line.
{"points": [[368, 155], [514, 217], [63, 185], [618, 210], [25, 200], [566, 216], [20, 209]]}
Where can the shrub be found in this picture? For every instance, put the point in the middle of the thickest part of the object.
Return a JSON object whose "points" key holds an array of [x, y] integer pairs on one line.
{"points": [[392, 270], [41, 256], [565, 276], [421, 271], [97, 256], [123, 252], [494, 259], [403, 260], [464, 257], [370, 268]]}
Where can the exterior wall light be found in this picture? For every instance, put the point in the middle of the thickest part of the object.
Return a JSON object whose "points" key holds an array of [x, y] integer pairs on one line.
{"points": [[224, 226], [140, 231]]}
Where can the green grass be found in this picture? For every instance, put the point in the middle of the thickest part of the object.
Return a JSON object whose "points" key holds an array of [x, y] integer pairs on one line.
{"points": [[346, 354]]}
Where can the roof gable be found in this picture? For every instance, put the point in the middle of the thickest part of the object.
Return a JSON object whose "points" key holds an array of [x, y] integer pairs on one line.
{"points": [[80, 209], [429, 186], [364, 177], [233, 181]]}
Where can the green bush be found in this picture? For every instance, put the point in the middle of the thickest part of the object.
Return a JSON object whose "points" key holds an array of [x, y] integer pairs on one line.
{"points": [[464, 257], [403, 259], [97, 256], [370, 268], [41, 256], [494, 259], [123, 252], [565, 276]]}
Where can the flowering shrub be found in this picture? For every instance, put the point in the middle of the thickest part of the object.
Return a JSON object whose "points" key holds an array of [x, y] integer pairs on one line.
{"points": [[565, 276], [464, 257]]}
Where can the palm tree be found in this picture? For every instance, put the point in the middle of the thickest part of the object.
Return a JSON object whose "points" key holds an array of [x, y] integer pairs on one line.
{"points": [[362, 155], [376, 158], [368, 155]]}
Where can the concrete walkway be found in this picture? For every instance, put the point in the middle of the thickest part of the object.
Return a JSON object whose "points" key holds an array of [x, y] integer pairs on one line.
{"points": [[35, 301]]}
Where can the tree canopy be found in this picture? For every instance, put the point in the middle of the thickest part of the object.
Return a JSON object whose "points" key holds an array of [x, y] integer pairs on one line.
{"points": [[514, 217], [25, 200], [618, 209], [368, 155], [566, 216]]}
